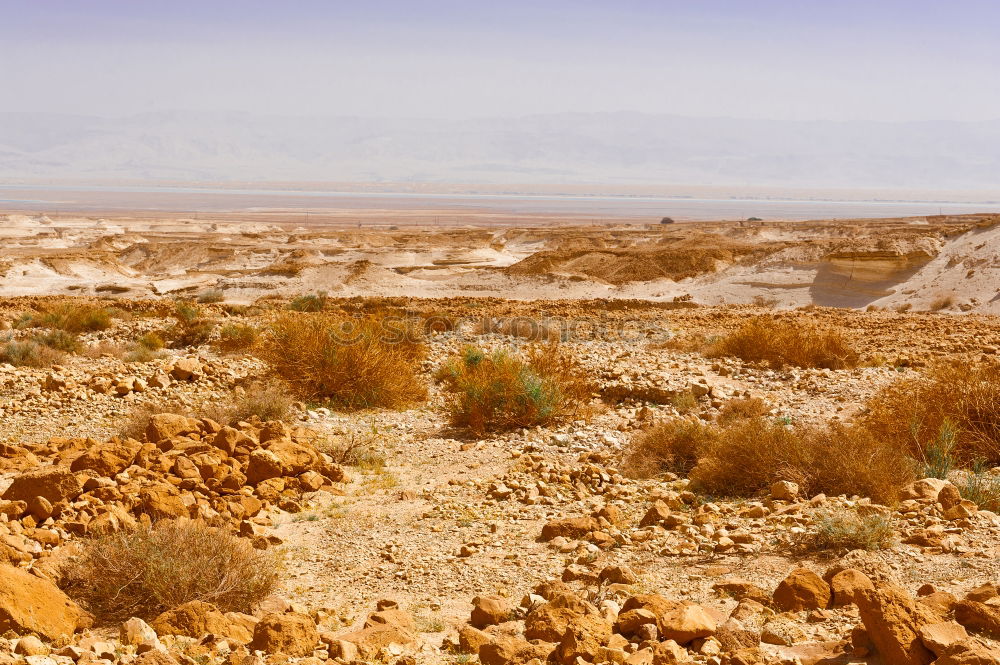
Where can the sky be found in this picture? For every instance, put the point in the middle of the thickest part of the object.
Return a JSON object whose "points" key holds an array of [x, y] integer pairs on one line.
{"points": [[887, 60]]}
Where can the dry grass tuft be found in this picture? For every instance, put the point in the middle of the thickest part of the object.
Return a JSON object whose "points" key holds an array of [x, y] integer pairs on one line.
{"points": [[844, 530], [29, 353], [982, 488], [347, 362], [942, 302], [736, 410], [148, 570], [502, 391], [264, 401], [237, 338], [912, 413], [780, 342], [750, 455], [308, 303], [673, 446], [191, 327], [70, 318]]}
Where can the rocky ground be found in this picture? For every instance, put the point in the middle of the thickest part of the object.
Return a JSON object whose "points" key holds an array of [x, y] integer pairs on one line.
{"points": [[443, 547]]}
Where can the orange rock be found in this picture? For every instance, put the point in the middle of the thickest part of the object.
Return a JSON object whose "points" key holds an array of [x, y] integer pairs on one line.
{"points": [[848, 585], [892, 620], [802, 590], [292, 634]]}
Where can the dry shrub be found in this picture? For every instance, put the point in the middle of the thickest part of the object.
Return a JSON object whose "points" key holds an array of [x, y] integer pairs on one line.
{"points": [[845, 530], [347, 362], [502, 391], [780, 342], [105, 348], [29, 353], [308, 303], [735, 410], [151, 341], [266, 402], [60, 340], [191, 328], [673, 446], [982, 487], [74, 318], [145, 571], [911, 413], [236, 337], [750, 455], [941, 302]]}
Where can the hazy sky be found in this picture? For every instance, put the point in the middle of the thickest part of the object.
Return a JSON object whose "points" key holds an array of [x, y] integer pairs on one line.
{"points": [[791, 59]]}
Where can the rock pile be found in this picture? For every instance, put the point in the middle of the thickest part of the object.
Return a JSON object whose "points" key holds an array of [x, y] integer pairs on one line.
{"points": [[191, 468], [605, 621]]}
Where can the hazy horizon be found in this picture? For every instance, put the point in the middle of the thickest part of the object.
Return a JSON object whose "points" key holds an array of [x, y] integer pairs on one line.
{"points": [[767, 93]]}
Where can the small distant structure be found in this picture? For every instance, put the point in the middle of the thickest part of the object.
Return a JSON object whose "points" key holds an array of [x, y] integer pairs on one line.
{"points": [[754, 219], [667, 220]]}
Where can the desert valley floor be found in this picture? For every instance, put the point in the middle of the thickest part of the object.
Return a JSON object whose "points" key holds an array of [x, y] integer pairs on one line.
{"points": [[154, 370]]}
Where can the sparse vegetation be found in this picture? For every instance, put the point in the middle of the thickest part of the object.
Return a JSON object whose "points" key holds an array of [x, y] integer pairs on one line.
{"points": [[500, 390], [672, 446], [29, 353], [68, 317], [735, 410], [749, 455], [60, 340], [780, 342], [845, 529], [265, 401], [191, 327], [350, 363], [938, 460], [236, 338], [981, 487], [942, 302], [308, 302], [147, 570], [959, 396], [151, 341]]}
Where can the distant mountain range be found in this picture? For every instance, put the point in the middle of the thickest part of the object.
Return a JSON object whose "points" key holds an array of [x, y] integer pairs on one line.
{"points": [[613, 148]]}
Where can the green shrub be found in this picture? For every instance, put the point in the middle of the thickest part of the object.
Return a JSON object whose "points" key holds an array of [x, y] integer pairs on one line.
{"points": [[60, 340], [501, 391], [29, 353], [982, 488], [845, 530], [938, 461]]}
